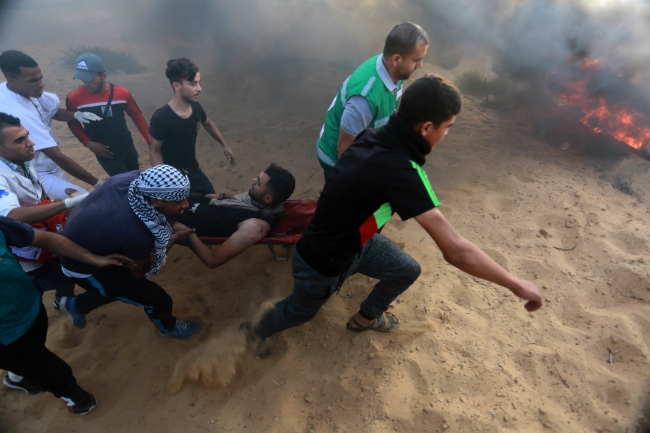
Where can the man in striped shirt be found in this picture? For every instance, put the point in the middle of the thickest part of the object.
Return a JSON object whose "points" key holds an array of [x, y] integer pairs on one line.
{"points": [[110, 140]]}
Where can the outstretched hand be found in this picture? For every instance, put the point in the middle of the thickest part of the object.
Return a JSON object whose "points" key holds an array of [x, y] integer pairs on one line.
{"points": [[531, 293], [114, 260]]}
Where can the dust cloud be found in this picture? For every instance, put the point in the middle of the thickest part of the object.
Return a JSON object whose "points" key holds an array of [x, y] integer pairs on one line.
{"points": [[213, 363]]}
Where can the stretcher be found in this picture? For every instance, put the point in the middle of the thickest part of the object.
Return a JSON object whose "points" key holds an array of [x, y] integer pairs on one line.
{"points": [[292, 224]]}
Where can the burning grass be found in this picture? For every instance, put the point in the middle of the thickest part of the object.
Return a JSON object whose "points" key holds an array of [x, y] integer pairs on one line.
{"points": [[608, 111], [114, 60], [477, 83]]}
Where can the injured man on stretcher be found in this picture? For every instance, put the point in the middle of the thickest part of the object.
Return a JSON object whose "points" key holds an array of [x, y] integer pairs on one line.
{"points": [[244, 218]]}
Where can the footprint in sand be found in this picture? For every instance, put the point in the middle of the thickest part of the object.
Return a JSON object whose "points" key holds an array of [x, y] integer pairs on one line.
{"points": [[564, 229]]}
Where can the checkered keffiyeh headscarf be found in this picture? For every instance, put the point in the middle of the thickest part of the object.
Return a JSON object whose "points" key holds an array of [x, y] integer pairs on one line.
{"points": [[163, 182]]}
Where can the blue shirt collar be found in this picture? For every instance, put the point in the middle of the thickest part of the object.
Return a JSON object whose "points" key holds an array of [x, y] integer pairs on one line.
{"points": [[383, 74]]}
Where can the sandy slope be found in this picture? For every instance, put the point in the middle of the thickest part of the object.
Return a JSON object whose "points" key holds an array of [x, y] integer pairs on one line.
{"points": [[468, 356]]}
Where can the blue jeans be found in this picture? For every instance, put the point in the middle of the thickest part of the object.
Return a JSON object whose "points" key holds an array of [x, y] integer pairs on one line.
{"points": [[379, 258]]}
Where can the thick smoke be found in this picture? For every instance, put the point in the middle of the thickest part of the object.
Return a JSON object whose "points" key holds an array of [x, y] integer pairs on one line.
{"points": [[280, 45]]}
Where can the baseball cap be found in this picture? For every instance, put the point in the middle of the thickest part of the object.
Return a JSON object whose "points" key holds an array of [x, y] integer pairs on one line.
{"points": [[88, 65]]}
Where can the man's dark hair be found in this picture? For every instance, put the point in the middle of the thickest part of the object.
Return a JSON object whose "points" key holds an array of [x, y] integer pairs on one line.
{"points": [[281, 183], [7, 120], [180, 69], [12, 60], [403, 39], [429, 99]]}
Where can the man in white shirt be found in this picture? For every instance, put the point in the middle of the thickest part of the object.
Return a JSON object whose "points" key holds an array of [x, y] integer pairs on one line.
{"points": [[20, 191], [22, 96]]}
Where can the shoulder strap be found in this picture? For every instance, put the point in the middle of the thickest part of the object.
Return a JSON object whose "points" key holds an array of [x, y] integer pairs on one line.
{"points": [[110, 100]]}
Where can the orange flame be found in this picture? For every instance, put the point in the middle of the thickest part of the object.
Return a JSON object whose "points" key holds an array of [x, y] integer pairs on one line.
{"points": [[625, 125]]}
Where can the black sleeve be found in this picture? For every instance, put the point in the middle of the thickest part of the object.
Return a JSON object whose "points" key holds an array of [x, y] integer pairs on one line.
{"points": [[157, 126], [17, 234], [409, 192], [273, 221], [200, 112]]}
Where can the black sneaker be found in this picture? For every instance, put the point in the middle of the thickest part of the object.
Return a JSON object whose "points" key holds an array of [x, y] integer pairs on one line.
{"points": [[255, 344], [30, 386], [79, 401]]}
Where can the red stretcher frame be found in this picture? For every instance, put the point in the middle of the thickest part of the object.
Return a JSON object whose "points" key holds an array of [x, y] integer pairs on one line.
{"points": [[292, 224]]}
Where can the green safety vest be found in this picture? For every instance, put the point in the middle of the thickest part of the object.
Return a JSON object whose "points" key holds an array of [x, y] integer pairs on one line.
{"points": [[364, 81]]}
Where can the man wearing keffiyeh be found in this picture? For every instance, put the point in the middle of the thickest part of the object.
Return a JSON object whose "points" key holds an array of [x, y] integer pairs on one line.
{"points": [[131, 213]]}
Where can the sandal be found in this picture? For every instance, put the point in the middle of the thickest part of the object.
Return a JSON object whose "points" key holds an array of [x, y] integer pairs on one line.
{"points": [[386, 323]]}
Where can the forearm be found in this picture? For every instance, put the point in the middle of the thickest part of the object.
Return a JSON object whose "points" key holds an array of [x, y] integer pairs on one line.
{"points": [[475, 262], [78, 131], [212, 129], [215, 258], [206, 254], [345, 140], [68, 165], [221, 196], [35, 214], [63, 115], [462, 253], [138, 119], [155, 152], [63, 246]]}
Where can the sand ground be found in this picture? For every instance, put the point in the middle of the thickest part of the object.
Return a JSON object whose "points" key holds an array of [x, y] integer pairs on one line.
{"points": [[468, 357]]}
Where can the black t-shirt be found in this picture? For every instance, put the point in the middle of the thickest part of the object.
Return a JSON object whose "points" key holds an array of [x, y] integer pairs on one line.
{"points": [[216, 221], [104, 223], [178, 136], [368, 184]]}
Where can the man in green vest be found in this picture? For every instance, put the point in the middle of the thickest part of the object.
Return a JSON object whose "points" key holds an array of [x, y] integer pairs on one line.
{"points": [[370, 95]]}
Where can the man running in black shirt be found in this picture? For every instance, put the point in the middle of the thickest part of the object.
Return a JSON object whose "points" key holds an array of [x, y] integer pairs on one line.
{"points": [[378, 175], [174, 127]]}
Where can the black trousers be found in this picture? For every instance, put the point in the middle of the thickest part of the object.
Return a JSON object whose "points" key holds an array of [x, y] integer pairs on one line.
{"points": [[199, 183], [29, 357], [121, 162], [117, 284], [51, 277]]}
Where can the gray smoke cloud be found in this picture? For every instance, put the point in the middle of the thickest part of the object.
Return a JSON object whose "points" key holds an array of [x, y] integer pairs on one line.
{"points": [[280, 44]]}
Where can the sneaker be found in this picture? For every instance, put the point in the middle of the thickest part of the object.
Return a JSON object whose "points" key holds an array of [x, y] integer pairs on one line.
{"points": [[56, 304], [255, 344], [79, 401], [77, 319], [183, 330], [30, 386]]}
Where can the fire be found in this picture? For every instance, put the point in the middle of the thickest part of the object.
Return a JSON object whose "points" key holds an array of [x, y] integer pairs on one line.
{"points": [[624, 124]]}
